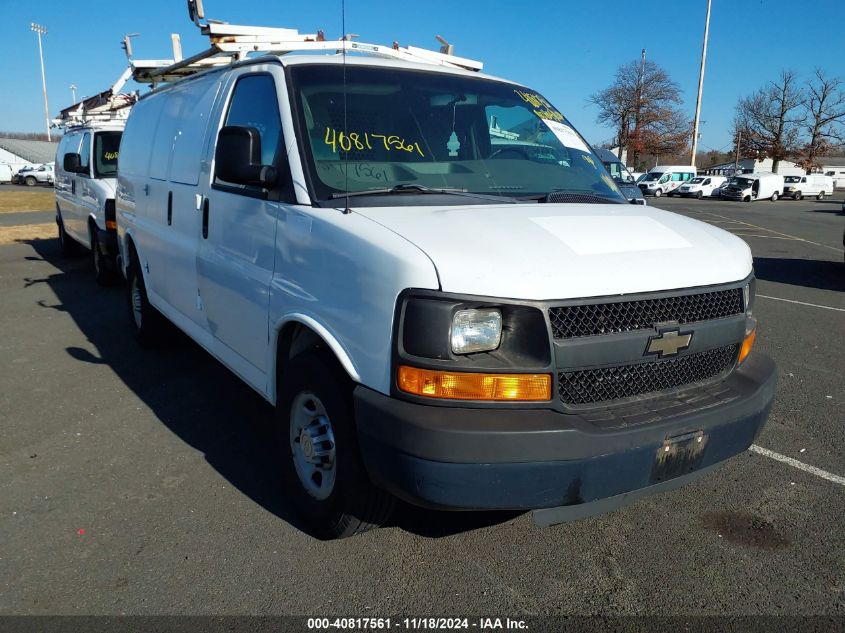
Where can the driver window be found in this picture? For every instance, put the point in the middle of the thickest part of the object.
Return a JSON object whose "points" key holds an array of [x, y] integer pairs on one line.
{"points": [[665, 178], [706, 181]]}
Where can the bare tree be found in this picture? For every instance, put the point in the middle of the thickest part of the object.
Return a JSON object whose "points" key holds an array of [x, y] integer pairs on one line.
{"points": [[824, 119], [769, 120], [641, 106]]}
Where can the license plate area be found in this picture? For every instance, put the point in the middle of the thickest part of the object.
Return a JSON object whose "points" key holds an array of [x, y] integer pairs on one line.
{"points": [[678, 456]]}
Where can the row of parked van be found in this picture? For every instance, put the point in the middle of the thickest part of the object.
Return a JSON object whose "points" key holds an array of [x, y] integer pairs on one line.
{"points": [[675, 180]]}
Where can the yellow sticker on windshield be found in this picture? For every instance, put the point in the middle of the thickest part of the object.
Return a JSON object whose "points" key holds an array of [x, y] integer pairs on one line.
{"points": [[589, 159], [357, 141], [542, 108]]}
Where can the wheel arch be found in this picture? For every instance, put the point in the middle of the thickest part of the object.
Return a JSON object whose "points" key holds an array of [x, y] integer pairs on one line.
{"points": [[296, 333]]}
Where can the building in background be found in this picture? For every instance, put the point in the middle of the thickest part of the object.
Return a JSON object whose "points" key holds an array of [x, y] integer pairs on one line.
{"points": [[752, 165]]}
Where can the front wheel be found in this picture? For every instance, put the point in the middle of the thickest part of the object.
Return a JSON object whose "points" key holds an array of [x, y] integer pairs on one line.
{"points": [[105, 273], [658, 193], [747, 199], [774, 197], [820, 196], [699, 195], [147, 323], [797, 196], [321, 464], [30, 181]]}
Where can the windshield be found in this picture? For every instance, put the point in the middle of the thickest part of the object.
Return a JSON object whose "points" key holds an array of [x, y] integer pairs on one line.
{"points": [[619, 173], [740, 182], [652, 176], [792, 179], [106, 145], [437, 130], [696, 181]]}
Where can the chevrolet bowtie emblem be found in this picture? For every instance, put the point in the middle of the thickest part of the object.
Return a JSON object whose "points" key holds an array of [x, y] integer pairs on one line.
{"points": [[668, 343]]}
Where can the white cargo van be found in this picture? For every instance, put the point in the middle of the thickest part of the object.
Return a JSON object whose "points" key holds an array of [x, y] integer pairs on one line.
{"points": [[86, 176], [702, 186], [797, 187], [6, 173], [665, 179], [750, 187], [432, 322]]}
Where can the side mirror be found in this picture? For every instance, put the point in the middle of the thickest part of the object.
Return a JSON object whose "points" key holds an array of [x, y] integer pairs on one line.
{"points": [[237, 158], [72, 163]]}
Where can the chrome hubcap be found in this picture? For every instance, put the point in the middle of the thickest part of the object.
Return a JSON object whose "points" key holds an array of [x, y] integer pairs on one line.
{"points": [[136, 302], [312, 445]]}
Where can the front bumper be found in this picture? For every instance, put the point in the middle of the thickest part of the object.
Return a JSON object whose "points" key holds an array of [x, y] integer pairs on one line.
{"points": [[519, 459]]}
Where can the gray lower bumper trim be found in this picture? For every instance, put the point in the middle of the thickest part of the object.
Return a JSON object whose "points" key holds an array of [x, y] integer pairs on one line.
{"points": [[552, 516]]}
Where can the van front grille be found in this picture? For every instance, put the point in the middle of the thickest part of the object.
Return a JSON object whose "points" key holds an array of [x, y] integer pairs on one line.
{"points": [[594, 386], [626, 316]]}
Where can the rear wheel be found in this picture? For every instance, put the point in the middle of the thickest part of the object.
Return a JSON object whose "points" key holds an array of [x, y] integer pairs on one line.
{"points": [[774, 197], [321, 464], [105, 272], [820, 196], [147, 323]]}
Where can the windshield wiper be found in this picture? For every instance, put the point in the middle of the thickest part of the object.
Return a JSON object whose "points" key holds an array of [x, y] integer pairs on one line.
{"points": [[422, 189], [585, 196]]}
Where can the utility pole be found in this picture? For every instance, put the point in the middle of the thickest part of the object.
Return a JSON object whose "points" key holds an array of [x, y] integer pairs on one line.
{"points": [[42, 30], [700, 86], [73, 93], [738, 141], [638, 107]]}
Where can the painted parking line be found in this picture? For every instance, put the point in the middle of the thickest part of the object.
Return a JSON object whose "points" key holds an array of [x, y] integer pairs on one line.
{"points": [[802, 303], [763, 228], [818, 472]]}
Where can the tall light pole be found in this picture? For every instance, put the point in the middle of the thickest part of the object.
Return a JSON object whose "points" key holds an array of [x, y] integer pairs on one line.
{"points": [[42, 30], [700, 87], [73, 92]]}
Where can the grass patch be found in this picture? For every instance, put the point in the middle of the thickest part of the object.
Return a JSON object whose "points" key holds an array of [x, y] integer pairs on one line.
{"points": [[39, 199], [26, 232]]}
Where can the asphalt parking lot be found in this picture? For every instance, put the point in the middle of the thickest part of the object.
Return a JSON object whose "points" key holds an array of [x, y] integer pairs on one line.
{"points": [[141, 482]]}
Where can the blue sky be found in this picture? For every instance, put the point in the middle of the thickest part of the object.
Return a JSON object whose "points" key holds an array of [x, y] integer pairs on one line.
{"points": [[566, 49]]}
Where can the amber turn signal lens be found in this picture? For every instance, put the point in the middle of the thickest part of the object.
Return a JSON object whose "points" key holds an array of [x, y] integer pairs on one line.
{"points": [[747, 343], [467, 386], [111, 225]]}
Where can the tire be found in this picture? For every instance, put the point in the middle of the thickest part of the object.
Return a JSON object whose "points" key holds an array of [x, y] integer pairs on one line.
{"points": [[797, 196], [820, 196], [315, 410], [699, 195], [68, 245], [31, 181], [774, 197], [658, 193], [105, 270], [747, 199], [147, 323]]}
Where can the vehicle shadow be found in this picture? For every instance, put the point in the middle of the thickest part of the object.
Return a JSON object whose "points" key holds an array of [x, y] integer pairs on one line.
{"points": [[198, 399], [809, 273], [835, 209]]}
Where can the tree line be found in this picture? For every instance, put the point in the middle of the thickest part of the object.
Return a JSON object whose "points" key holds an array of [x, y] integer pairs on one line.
{"points": [[785, 119]]}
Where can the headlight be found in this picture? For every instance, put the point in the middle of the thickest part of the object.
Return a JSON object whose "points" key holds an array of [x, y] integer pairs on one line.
{"points": [[476, 330]]}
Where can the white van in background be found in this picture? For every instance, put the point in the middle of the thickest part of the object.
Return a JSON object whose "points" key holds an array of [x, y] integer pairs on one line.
{"points": [[702, 186], [86, 176], [6, 172], [749, 187], [664, 179], [797, 187]]}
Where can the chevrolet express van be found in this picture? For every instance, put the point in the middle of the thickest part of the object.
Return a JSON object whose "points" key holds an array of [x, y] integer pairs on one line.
{"points": [[433, 318], [750, 187], [86, 176], [665, 179], [798, 187]]}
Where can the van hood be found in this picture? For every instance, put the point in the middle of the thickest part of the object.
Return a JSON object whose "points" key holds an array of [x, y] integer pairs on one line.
{"points": [[566, 251]]}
